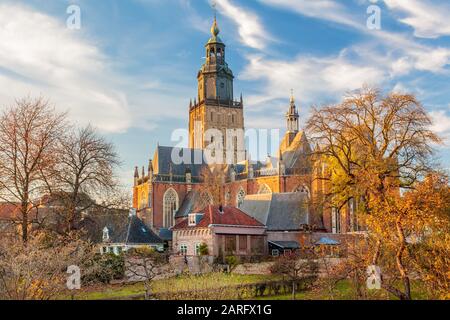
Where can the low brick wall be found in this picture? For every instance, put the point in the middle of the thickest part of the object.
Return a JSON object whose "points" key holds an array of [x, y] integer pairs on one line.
{"points": [[263, 268]]}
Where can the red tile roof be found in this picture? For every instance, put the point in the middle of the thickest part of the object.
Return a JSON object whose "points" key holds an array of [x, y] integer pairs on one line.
{"points": [[9, 211], [231, 216]]}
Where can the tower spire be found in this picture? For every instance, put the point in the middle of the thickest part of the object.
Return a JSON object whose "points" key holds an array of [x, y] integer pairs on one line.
{"points": [[292, 116], [215, 28]]}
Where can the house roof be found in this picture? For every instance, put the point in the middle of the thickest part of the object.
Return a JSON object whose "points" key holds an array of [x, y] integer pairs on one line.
{"points": [[165, 234], [122, 228], [9, 211], [327, 241], [231, 216], [289, 245], [139, 233], [278, 211]]}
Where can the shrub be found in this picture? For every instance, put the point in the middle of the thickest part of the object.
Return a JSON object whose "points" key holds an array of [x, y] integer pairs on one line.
{"points": [[232, 262], [105, 268], [203, 249]]}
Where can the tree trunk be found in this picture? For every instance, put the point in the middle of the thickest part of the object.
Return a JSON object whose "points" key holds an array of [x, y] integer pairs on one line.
{"points": [[24, 209], [73, 207], [399, 261], [293, 290], [377, 253]]}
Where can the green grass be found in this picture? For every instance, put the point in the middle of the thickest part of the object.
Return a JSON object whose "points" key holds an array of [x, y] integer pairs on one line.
{"points": [[181, 283], [345, 291]]}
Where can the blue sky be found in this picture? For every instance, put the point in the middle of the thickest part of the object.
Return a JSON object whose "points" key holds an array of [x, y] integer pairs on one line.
{"points": [[131, 68]]}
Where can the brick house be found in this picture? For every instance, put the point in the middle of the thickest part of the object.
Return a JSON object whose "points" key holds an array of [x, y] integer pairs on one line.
{"points": [[225, 230]]}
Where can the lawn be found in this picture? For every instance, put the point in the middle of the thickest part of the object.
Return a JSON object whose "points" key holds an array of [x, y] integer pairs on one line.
{"points": [[345, 291], [181, 283]]}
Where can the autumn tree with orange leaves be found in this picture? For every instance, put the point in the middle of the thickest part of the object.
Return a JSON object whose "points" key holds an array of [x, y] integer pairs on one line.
{"points": [[379, 150]]}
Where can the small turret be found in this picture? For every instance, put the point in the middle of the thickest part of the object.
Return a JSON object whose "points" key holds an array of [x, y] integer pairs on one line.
{"points": [[136, 176], [170, 172], [233, 174], [150, 169]]}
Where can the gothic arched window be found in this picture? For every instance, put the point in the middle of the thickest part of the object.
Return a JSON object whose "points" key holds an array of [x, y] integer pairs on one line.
{"points": [[240, 198], [170, 207], [264, 189]]}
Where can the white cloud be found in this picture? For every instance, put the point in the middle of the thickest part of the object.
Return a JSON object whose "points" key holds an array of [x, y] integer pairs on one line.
{"points": [[441, 121], [251, 31], [405, 54], [428, 19], [441, 125], [312, 78], [40, 56], [320, 9]]}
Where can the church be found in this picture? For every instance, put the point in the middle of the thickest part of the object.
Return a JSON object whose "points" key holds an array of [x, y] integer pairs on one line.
{"points": [[166, 191]]}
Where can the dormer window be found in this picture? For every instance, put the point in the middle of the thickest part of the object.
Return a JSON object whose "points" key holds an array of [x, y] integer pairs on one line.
{"points": [[192, 220], [105, 234]]}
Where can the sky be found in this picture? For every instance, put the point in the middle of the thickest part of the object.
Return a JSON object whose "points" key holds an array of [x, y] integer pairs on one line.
{"points": [[131, 67]]}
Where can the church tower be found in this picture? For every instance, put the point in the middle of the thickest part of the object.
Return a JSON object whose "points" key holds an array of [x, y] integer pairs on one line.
{"points": [[215, 107]]}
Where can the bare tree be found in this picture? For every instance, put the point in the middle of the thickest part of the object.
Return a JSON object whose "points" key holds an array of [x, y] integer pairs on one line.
{"points": [[296, 267], [144, 264], [85, 175], [38, 271], [29, 133]]}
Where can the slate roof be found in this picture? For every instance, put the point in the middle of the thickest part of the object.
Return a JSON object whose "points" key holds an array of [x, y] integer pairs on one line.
{"points": [[166, 234], [163, 161], [278, 211], [327, 241], [189, 204], [231, 216], [285, 244], [122, 228]]}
